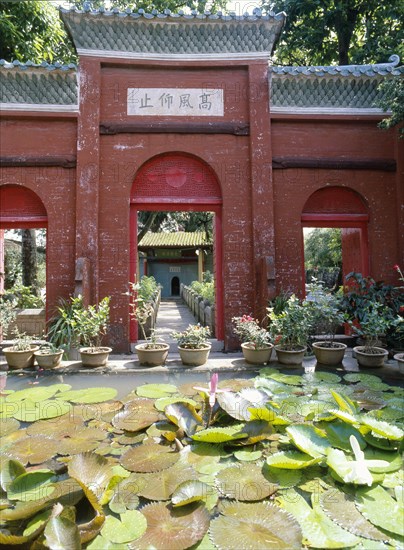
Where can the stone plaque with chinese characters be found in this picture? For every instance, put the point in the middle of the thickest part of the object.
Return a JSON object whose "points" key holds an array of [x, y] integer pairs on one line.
{"points": [[175, 102]]}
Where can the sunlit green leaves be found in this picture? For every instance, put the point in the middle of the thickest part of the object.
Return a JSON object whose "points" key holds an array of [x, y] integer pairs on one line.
{"points": [[292, 460], [130, 526], [31, 486], [219, 435], [309, 439], [379, 507]]}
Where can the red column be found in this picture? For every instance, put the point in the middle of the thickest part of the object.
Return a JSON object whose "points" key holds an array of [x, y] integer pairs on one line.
{"points": [[261, 184], [2, 272], [88, 169]]}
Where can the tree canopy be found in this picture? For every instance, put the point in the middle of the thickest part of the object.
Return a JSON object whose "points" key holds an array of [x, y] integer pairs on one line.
{"points": [[326, 32]]}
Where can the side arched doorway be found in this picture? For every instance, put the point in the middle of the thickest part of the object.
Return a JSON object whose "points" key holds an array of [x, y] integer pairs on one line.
{"points": [[343, 208], [179, 182], [20, 208]]}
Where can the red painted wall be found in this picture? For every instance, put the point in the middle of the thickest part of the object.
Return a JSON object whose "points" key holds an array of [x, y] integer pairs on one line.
{"points": [[88, 206]]}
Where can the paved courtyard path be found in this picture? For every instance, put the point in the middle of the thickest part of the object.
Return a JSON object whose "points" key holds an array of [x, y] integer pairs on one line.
{"points": [[174, 315]]}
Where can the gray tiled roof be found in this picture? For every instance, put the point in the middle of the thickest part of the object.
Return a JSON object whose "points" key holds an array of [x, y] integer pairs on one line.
{"points": [[157, 33], [38, 84], [350, 86]]}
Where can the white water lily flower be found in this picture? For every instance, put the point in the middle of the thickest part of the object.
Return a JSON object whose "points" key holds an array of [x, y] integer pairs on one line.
{"points": [[359, 472]]}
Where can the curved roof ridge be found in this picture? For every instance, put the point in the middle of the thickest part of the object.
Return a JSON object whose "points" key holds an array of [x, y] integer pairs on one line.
{"points": [[181, 14], [377, 69], [25, 65]]}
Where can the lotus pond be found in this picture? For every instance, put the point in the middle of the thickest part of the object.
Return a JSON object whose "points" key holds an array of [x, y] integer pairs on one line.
{"points": [[275, 461]]}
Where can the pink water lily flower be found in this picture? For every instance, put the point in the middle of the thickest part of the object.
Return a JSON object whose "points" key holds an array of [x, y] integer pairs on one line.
{"points": [[212, 390]]}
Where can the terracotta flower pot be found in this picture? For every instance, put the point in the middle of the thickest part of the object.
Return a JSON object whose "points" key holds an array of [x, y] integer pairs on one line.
{"points": [[152, 357], [327, 355], [20, 359], [256, 356], [94, 357], [194, 357], [290, 357], [399, 357], [370, 360], [48, 360]]}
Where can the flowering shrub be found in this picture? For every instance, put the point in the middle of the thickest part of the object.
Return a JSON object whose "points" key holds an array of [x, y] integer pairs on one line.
{"points": [[248, 330], [194, 337], [291, 328], [376, 321]]}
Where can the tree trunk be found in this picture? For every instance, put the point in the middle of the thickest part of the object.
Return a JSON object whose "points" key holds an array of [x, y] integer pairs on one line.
{"points": [[345, 23], [147, 226], [29, 259]]}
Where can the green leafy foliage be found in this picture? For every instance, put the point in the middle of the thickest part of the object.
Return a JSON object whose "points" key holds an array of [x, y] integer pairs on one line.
{"points": [[339, 32]]}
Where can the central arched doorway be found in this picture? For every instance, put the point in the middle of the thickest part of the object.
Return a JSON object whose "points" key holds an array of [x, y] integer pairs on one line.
{"points": [[178, 182]]}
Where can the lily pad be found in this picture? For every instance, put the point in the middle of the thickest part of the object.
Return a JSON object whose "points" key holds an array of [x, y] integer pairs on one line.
{"points": [[381, 509], [190, 491], [31, 411], [163, 402], [184, 416], [130, 526], [341, 509], [235, 405], [244, 482], [31, 486], [61, 530], [9, 470], [125, 496], [319, 376], [309, 439], [290, 379], [137, 415], [8, 426], [89, 395], [254, 527], [35, 394], [149, 457], [173, 528], [219, 435], [318, 529], [93, 473], [339, 432], [292, 460], [248, 455], [389, 431], [155, 391], [34, 450], [161, 485]]}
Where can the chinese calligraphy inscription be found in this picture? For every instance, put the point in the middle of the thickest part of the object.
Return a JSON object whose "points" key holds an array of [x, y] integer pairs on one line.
{"points": [[175, 102]]}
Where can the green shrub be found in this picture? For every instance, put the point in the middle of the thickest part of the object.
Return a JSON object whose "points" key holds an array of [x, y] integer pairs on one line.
{"points": [[206, 289], [24, 298]]}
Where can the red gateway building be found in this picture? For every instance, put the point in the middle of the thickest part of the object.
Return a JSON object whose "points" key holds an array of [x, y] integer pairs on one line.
{"points": [[185, 112]]}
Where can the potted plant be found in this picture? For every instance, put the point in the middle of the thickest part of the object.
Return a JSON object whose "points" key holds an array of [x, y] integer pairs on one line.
{"points": [[21, 354], [255, 341], [49, 356], [152, 352], [62, 330], [193, 345], [375, 322], [290, 331], [90, 325], [324, 308]]}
